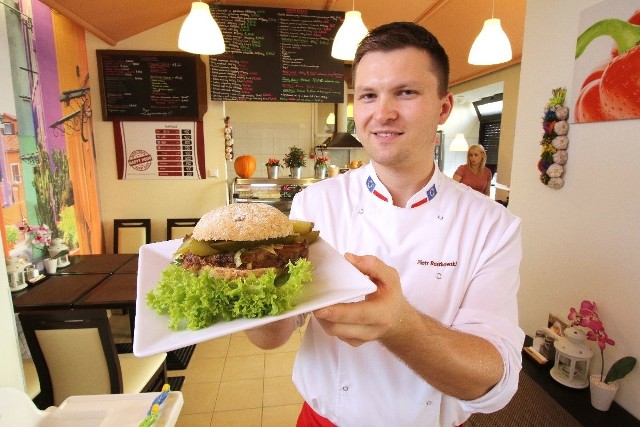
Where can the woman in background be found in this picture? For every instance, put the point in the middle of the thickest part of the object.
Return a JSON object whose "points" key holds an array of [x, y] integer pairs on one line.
{"points": [[475, 174]]}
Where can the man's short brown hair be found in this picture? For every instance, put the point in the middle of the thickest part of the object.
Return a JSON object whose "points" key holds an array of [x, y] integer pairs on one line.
{"points": [[398, 35]]}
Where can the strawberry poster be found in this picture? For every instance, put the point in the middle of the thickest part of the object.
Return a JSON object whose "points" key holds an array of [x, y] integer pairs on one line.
{"points": [[606, 77]]}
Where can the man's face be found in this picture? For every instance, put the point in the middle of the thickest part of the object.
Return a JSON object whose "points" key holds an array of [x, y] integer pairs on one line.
{"points": [[397, 108]]}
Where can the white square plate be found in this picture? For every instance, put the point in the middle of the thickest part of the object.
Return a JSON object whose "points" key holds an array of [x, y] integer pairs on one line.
{"points": [[334, 280]]}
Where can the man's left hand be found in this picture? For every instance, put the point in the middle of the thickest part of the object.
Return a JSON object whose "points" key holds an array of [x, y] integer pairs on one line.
{"points": [[378, 316]]}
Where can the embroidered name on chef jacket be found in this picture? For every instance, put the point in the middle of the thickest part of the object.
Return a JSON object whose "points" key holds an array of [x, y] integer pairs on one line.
{"points": [[430, 194]]}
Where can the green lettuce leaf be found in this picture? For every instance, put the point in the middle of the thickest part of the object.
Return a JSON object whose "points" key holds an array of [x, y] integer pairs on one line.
{"points": [[196, 301]]}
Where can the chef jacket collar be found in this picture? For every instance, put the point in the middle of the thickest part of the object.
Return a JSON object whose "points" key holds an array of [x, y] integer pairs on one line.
{"points": [[425, 195]]}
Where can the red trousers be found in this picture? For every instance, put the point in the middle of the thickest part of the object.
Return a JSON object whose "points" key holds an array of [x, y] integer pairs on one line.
{"points": [[309, 418]]}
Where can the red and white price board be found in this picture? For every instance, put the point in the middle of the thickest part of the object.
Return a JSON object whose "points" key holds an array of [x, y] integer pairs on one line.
{"points": [[159, 150]]}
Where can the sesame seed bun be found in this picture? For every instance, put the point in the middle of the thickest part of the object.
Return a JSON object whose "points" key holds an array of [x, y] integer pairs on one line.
{"points": [[243, 222]]}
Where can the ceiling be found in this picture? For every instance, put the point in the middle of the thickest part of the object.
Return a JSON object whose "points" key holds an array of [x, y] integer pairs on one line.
{"points": [[456, 23]]}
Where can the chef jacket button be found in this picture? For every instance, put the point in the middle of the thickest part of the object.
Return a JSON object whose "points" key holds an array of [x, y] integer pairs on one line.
{"points": [[438, 275], [345, 388], [428, 402], [440, 217], [360, 211]]}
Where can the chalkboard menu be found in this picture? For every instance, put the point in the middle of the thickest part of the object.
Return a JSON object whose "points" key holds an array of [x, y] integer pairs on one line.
{"points": [[151, 86], [276, 55]]}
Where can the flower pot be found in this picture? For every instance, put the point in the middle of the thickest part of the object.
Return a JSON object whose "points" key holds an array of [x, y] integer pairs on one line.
{"points": [[51, 265], [320, 173], [602, 394], [272, 172], [296, 172]]}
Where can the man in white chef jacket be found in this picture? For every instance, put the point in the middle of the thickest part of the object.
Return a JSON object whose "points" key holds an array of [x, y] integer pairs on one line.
{"points": [[439, 339]]}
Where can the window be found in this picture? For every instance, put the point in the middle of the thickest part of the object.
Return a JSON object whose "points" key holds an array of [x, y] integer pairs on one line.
{"points": [[489, 111], [16, 177], [490, 140], [7, 128]]}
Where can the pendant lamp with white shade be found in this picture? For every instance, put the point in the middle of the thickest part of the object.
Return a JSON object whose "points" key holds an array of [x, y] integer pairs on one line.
{"points": [[200, 33], [492, 45], [348, 36], [459, 143]]}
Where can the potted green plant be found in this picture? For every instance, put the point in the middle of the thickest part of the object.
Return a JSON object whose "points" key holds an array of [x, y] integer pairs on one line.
{"points": [[602, 391], [295, 160]]}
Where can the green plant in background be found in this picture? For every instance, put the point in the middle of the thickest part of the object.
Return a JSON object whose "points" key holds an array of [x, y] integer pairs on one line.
{"points": [[13, 234], [67, 226], [53, 187], [42, 179], [295, 158]]}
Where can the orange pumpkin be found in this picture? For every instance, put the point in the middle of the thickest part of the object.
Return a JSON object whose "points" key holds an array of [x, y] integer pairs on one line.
{"points": [[245, 166]]}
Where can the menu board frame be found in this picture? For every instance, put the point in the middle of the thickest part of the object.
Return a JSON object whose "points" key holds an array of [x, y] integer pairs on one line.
{"points": [[276, 55], [193, 85]]}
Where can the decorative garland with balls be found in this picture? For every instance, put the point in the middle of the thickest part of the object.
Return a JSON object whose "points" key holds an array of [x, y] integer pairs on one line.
{"points": [[228, 139], [554, 140]]}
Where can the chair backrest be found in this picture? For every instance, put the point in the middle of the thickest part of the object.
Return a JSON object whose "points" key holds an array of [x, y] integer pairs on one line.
{"points": [[130, 234], [74, 353], [31, 381], [177, 228]]}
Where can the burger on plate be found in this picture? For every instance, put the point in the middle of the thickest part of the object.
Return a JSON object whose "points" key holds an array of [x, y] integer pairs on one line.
{"points": [[242, 260]]}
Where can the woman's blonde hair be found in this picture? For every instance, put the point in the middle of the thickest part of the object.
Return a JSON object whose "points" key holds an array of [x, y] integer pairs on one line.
{"points": [[483, 162]]}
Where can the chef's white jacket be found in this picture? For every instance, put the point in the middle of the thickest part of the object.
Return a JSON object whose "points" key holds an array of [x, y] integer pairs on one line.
{"points": [[458, 254]]}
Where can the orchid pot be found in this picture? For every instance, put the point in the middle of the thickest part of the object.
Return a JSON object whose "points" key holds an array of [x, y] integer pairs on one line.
{"points": [[51, 265], [602, 394]]}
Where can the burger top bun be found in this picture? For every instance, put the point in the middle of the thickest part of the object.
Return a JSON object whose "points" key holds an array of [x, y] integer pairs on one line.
{"points": [[243, 222]]}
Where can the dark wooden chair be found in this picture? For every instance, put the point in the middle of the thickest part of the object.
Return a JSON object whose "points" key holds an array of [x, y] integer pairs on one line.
{"points": [[74, 354]]}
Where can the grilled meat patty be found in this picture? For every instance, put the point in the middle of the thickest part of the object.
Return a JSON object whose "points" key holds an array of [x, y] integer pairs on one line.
{"points": [[276, 256]]}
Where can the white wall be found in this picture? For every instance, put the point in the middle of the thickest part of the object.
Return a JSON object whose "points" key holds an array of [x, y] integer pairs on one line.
{"points": [[154, 199], [10, 361], [463, 119], [582, 241]]}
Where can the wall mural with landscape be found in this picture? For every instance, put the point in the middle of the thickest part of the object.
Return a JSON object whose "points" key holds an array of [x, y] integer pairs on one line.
{"points": [[47, 161]]}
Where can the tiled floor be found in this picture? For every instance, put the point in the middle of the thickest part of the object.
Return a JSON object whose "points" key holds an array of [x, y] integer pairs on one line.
{"points": [[230, 382]]}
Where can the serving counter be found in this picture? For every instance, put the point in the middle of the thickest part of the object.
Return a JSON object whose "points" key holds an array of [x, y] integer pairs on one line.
{"points": [[276, 192]]}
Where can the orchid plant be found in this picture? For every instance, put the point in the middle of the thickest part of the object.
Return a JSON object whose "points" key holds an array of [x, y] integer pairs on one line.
{"points": [[40, 235], [587, 317]]}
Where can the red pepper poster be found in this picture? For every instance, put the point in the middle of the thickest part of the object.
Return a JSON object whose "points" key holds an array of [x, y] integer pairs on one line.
{"points": [[606, 76], [159, 150]]}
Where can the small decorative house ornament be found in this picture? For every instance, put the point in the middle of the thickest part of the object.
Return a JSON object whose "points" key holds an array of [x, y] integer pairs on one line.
{"points": [[573, 356]]}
